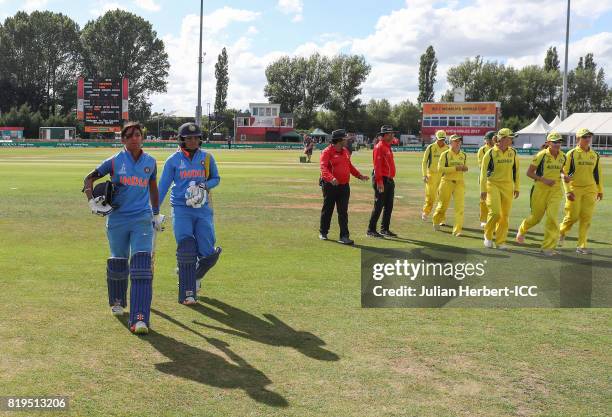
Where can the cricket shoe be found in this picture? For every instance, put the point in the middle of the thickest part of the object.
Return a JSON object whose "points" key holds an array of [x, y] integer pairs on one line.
{"points": [[388, 233], [583, 251], [345, 241], [502, 247], [489, 244], [424, 217], [374, 233], [458, 234], [117, 310], [483, 224], [139, 328], [323, 236], [189, 301], [520, 239], [549, 252]]}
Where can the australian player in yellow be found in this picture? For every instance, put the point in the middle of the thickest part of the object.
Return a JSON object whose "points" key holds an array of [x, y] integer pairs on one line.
{"points": [[451, 165], [545, 199], [429, 168], [583, 186], [500, 182], [488, 139]]}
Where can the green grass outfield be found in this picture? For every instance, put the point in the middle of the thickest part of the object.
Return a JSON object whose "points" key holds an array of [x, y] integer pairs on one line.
{"points": [[282, 332]]}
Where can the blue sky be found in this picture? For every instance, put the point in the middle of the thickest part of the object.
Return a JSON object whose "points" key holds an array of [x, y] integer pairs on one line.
{"points": [[391, 34]]}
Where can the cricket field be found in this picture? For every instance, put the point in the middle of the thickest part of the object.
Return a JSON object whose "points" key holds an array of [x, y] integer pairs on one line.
{"points": [[280, 330]]}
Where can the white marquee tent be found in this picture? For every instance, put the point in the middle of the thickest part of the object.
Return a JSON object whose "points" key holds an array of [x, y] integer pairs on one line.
{"points": [[598, 123], [534, 134], [555, 122]]}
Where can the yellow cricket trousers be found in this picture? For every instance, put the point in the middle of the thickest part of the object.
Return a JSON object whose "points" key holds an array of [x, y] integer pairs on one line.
{"points": [[580, 209], [431, 191], [448, 189], [499, 204], [544, 200]]}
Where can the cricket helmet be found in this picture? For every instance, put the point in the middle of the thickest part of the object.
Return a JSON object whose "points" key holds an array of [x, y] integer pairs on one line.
{"points": [[189, 130]]}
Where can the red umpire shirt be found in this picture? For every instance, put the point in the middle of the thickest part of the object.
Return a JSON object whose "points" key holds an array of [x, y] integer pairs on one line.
{"points": [[384, 165], [337, 164]]}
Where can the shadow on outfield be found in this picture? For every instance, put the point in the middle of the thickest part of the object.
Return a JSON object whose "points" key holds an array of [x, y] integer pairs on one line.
{"points": [[513, 232], [208, 368], [272, 331]]}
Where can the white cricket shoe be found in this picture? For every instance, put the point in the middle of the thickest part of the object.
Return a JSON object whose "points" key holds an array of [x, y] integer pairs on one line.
{"points": [[520, 239], [583, 251], [549, 252], [117, 310], [424, 217], [489, 244], [189, 301], [483, 224], [502, 247], [458, 234], [140, 328]]}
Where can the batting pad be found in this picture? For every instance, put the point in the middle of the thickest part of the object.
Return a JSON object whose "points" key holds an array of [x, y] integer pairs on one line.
{"points": [[117, 281], [141, 291], [186, 257], [205, 263]]}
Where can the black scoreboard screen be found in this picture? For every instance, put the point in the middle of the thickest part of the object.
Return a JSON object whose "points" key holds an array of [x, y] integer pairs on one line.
{"points": [[102, 103]]}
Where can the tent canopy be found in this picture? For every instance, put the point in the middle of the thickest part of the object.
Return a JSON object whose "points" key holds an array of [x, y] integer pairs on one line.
{"points": [[318, 133], [555, 122], [538, 126], [598, 123]]}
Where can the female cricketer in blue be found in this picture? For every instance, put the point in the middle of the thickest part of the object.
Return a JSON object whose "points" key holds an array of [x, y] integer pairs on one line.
{"points": [[131, 201], [194, 173]]}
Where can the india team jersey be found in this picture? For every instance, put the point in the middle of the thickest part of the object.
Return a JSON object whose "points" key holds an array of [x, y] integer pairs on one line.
{"points": [[548, 166], [432, 154], [500, 167], [584, 168], [183, 172], [131, 179], [448, 163]]}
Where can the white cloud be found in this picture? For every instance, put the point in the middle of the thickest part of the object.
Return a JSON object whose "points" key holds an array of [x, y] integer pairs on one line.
{"points": [[246, 70], [292, 7], [459, 31], [103, 6], [31, 5], [393, 47], [148, 5]]}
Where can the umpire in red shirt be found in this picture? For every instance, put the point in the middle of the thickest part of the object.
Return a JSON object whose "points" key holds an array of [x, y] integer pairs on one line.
{"points": [[336, 170], [384, 186]]}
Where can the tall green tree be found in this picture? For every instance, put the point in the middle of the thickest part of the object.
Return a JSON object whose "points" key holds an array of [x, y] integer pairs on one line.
{"points": [[348, 73], [587, 87], [428, 68], [222, 76], [551, 62], [120, 44], [42, 60], [300, 85]]}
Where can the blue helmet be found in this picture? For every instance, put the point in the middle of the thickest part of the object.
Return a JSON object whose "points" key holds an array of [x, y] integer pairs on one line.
{"points": [[189, 130]]}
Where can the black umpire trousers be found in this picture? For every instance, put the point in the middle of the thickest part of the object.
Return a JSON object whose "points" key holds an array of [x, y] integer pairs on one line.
{"points": [[382, 201], [338, 196]]}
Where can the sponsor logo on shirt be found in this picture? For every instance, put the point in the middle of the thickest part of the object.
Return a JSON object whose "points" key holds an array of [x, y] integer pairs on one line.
{"points": [[134, 181], [193, 173]]}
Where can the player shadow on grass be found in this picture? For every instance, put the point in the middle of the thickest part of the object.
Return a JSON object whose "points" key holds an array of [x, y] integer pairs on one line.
{"points": [[272, 331], [513, 232], [195, 364]]}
